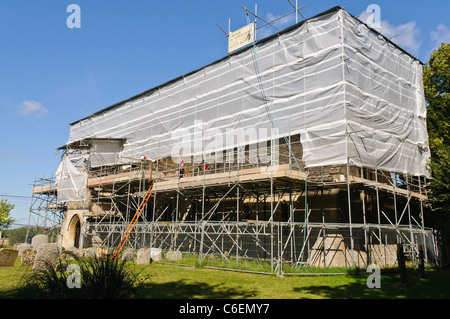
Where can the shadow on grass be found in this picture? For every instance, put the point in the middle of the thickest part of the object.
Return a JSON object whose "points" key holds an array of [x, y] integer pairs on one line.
{"points": [[183, 289], [354, 290], [434, 286]]}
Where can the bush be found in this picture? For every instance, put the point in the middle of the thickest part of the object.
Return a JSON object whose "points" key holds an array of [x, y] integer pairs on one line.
{"points": [[16, 235], [100, 279], [45, 284]]}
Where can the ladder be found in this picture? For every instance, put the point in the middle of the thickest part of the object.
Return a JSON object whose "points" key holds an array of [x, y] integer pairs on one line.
{"points": [[132, 223]]}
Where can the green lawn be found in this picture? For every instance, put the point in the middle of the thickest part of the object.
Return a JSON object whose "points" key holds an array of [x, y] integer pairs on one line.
{"points": [[10, 277], [175, 282], [168, 281]]}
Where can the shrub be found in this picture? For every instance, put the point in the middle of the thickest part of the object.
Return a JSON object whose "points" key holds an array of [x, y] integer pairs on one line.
{"points": [[100, 279]]}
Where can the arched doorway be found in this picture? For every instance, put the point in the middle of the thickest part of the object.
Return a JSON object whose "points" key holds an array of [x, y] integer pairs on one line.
{"points": [[76, 239], [74, 231]]}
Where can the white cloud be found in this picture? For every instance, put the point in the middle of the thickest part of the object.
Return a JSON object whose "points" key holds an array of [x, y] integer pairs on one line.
{"points": [[32, 108], [280, 24], [15, 158], [404, 35], [440, 34]]}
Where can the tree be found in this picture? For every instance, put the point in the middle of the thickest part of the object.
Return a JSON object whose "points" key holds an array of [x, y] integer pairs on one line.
{"points": [[17, 235], [437, 94], [5, 219]]}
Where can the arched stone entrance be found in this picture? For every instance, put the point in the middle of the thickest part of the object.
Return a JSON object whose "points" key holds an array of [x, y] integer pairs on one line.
{"points": [[74, 232]]}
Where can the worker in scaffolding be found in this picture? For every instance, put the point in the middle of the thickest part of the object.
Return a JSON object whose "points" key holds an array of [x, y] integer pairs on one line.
{"points": [[181, 171]]}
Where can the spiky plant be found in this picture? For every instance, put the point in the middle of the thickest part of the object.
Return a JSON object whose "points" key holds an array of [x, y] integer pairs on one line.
{"points": [[101, 278], [107, 278], [43, 284]]}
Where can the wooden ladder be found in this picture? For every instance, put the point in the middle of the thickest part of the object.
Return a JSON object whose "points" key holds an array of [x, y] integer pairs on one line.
{"points": [[133, 223]]}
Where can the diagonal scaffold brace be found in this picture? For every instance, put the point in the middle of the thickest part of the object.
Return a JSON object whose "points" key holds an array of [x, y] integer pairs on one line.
{"points": [[133, 222]]}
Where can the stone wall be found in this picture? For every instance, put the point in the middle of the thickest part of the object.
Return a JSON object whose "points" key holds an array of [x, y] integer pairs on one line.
{"points": [[333, 251]]}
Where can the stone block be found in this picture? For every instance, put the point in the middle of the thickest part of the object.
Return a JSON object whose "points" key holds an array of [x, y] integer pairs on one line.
{"points": [[90, 252], [128, 254], [39, 240], [143, 256], [102, 252], [79, 253], [67, 253], [28, 256], [8, 257], [22, 247], [333, 247], [72, 253], [46, 257], [174, 255], [155, 254]]}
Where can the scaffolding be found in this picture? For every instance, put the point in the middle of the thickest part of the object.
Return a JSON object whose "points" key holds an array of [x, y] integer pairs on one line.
{"points": [[45, 214], [267, 211], [323, 189]]}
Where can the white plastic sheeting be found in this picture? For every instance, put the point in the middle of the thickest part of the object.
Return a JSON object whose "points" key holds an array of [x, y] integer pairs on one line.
{"points": [[104, 152], [385, 104], [71, 183], [351, 95]]}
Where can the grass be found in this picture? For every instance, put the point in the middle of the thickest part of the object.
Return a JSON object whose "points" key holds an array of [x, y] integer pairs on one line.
{"points": [[100, 278], [253, 265], [168, 281], [164, 281], [10, 278]]}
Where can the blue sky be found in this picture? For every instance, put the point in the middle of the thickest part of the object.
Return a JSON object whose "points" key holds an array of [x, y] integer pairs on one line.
{"points": [[52, 75]]}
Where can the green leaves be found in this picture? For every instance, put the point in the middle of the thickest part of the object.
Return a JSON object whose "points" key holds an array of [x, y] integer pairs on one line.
{"points": [[5, 219], [99, 279], [436, 76]]}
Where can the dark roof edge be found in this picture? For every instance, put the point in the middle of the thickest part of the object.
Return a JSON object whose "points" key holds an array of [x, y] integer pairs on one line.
{"points": [[336, 8]]}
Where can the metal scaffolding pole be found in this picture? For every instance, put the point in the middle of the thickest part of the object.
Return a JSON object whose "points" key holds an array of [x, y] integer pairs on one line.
{"points": [[323, 222], [379, 218], [350, 214], [363, 200], [221, 233], [155, 187], [237, 228], [271, 224], [422, 222], [413, 246], [45, 213]]}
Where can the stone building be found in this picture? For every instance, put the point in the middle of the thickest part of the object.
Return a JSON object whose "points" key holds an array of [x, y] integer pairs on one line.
{"points": [[308, 147]]}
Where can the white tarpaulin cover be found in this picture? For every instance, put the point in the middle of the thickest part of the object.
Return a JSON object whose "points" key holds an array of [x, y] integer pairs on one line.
{"points": [[104, 152], [71, 183], [350, 93]]}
